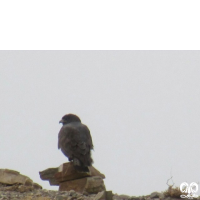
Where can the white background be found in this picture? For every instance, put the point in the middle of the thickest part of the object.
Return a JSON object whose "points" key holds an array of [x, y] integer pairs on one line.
{"points": [[142, 108]]}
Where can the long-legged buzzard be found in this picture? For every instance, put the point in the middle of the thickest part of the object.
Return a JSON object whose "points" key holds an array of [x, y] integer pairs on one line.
{"points": [[75, 142]]}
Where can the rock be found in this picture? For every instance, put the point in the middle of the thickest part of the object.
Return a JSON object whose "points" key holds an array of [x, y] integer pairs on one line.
{"points": [[155, 195], [37, 186], [47, 195], [72, 192], [60, 197], [69, 179], [100, 196], [38, 193], [109, 195], [179, 198], [37, 198], [67, 172], [18, 188], [23, 188], [49, 174], [161, 196], [91, 185], [94, 185], [11, 188], [123, 196], [11, 177], [134, 198], [85, 193], [104, 195]]}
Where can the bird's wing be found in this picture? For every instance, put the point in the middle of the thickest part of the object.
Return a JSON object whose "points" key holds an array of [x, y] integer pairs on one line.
{"points": [[75, 140], [66, 140], [63, 136], [89, 138]]}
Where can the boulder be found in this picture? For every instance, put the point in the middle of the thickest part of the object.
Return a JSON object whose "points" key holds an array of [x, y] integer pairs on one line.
{"points": [[91, 185], [49, 175], [11, 177], [104, 195], [155, 195], [68, 178], [67, 172]]}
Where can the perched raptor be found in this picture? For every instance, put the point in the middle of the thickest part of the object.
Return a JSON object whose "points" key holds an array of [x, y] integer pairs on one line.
{"points": [[75, 142]]}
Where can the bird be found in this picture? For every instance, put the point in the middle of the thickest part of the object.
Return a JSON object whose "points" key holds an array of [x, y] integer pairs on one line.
{"points": [[75, 142]]}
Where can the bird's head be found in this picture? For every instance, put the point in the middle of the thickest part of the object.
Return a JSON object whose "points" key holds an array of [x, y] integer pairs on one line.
{"points": [[69, 118]]}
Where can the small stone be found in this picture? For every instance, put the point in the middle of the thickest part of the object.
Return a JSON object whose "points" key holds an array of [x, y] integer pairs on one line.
{"points": [[85, 193], [123, 196], [161, 196], [134, 198], [109, 195], [100, 196], [72, 192], [60, 197], [154, 195], [28, 182], [37, 186], [38, 193]]}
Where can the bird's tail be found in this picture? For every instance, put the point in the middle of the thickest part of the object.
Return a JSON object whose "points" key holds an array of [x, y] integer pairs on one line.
{"points": [[78, 165]]}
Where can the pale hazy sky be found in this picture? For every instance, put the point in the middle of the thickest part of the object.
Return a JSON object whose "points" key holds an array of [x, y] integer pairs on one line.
{"points": [[142, 108]]}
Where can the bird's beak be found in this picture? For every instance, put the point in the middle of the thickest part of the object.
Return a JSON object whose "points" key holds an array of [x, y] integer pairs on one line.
{"points": [[61, 121]]}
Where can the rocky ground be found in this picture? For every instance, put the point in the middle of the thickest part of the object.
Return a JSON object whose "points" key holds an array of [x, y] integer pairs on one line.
{"points": [[39, 194], [15, 186], [34, 192], [21, 192]]}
